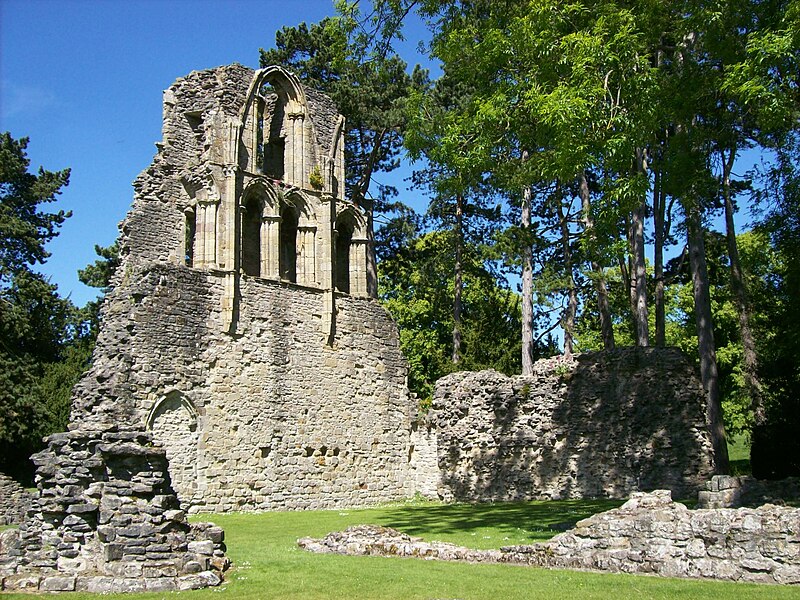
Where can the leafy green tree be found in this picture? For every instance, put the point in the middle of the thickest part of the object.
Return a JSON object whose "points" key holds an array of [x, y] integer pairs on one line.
{"points": [[33, 318], [416, 292]]}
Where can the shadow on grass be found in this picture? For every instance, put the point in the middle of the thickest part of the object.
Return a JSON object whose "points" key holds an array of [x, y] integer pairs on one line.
{"points": [[534, 521]]}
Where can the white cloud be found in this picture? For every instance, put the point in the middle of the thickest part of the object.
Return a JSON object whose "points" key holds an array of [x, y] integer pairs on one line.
{"points": [[16, 100]]}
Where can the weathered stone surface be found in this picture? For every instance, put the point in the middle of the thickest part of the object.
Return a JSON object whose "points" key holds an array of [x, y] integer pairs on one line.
{"points": [[726, 491], [238, 330], [14, 501], [648, 534], [603, 425], [62, 545]]}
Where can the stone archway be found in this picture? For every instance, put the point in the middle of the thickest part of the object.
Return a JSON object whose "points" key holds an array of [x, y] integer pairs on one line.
{"points": [[173, 421]]}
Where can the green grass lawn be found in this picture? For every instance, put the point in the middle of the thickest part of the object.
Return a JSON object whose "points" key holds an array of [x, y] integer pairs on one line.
{"points": [[739, 454], [268, 563]]}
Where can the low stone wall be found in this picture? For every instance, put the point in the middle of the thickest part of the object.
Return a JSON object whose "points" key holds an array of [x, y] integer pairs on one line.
{"points": [[13, 501], [649, 534], [605, 424], [107, 520], [726, 491]]}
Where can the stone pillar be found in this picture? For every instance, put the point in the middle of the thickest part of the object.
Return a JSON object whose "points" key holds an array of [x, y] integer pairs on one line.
{"points": [[296, 150], [199, 250], [326, 220], [270, 254], [358, 267], [306, 255], [210, 231], [229, 259]]}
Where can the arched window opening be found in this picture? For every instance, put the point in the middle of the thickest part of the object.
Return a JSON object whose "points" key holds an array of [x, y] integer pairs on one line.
{"points": [[251, 237], [288, 243], [189, 232], [271, 134], [344, 237]]}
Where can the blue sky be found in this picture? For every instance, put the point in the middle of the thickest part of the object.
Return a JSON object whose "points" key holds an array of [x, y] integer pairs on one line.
{"points": [[83, 80]]}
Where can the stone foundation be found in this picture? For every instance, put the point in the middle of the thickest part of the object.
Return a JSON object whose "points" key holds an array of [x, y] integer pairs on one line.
{"points": [[649, 534], [605, 424], [106, 520], [726, 491]]}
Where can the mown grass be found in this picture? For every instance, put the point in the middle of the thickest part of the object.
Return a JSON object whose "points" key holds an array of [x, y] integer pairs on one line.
{"points": [[739, 454], [268, 563]]}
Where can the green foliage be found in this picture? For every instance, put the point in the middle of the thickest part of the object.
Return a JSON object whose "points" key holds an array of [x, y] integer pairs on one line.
{"points": [[416, 288], [35, 323], [98, 275], [24, 227]]}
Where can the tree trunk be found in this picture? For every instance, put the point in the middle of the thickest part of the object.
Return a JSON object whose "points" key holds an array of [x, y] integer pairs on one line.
{"points": [[639, 272], [568, 320], [360, 194], [752, 381], [627, 272], [459, 235], [658, 258], [527, 288], [599, 280], [705, 338], [372, 263]]}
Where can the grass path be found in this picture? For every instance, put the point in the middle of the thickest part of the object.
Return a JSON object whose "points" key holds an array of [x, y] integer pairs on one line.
{"points": [[268, 563]]}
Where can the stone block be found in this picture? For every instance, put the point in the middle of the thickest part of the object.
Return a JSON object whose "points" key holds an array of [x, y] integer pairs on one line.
{"points": [[198, 580], [205, 547], [57, 584]]}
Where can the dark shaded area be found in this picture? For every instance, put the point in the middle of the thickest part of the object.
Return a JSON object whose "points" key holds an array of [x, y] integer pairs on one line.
{"points": [[622, 421], [775, 451], [539, 520], [251, 237], [288, 243], [344, 236]]}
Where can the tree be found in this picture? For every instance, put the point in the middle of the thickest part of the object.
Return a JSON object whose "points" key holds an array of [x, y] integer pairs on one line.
{"points": [[33, 318], [420, 300]]}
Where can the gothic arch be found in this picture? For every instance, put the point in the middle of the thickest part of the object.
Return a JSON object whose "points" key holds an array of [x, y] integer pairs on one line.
{"points": [[173, 421], [275, 128]]}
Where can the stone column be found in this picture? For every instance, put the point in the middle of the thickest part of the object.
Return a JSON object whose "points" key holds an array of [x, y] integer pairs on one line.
{"points": [[306, 255], [296, 150], [358, 267], [270, 254], [229, 259], [199, 250], [210, 231], [326, 220]]}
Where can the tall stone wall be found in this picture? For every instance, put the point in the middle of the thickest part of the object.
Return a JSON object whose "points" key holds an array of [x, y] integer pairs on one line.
{"points": [[604, 425], [271, 417], [268, 389]]}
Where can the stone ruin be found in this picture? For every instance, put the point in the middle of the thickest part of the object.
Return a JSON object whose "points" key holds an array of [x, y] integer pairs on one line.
{"points": [[602, 424], [242, 366], [13, 501], [649, 534]]}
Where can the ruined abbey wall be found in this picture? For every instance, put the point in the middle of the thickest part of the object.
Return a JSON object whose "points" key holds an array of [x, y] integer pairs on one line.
{"points": [[604, 425], [234, 333]]}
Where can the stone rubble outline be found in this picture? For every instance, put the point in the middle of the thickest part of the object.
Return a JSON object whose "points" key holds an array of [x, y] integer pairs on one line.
{"points": [[649, 534]]}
